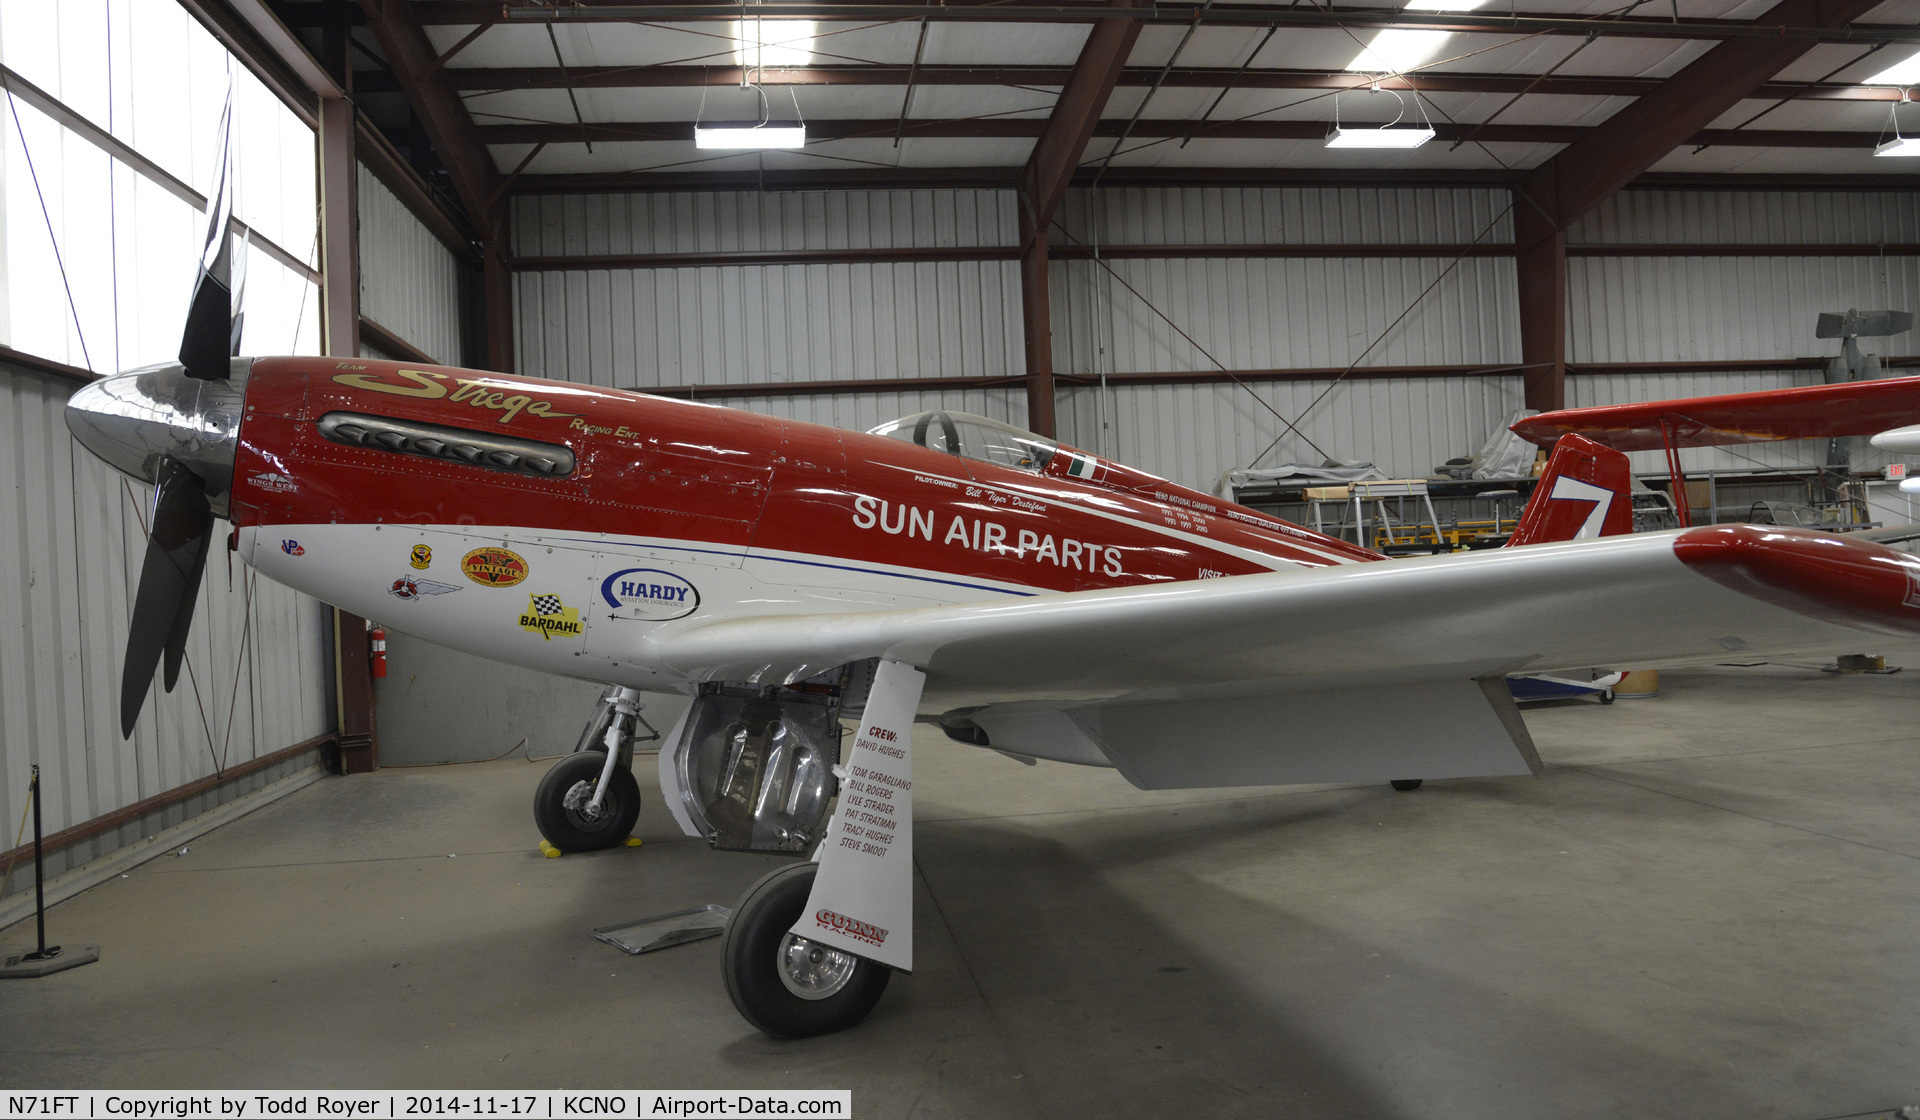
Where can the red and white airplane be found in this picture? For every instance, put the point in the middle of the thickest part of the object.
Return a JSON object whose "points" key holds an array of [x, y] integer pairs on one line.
{"points": [[1020, 594]]}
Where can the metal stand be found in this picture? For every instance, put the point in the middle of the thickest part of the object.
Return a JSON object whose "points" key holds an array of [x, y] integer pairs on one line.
{"points": [[47, 958]]}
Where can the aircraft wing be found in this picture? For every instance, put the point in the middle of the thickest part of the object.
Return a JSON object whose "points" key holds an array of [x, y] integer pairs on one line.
{"points": [[1344, 673], [1852, 408], [1640, 600]]}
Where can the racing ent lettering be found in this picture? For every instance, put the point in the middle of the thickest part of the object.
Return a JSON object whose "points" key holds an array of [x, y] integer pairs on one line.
{"points": [[981, 535]]}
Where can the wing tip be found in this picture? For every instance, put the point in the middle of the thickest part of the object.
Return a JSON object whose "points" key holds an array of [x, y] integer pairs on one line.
{"points": [[1834, 578]]}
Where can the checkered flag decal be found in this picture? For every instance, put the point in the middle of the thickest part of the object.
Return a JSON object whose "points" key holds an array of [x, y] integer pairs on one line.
{"points": [[546, 604]]}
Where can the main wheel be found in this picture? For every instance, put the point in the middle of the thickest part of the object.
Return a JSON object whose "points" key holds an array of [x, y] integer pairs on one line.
{"points": [[786, 985], [1407, 785], [563, 805]]}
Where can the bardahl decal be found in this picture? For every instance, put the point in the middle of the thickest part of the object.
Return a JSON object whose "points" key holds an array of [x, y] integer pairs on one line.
{"points": [[408, 588], [474, 391], [292, 548], [421, 557], [494, 567], [546, 616], [649, 595]]}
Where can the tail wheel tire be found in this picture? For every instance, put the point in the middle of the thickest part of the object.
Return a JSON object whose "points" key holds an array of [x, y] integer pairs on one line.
{"points": [[785, 985], [1407, 785], [563, 805]]}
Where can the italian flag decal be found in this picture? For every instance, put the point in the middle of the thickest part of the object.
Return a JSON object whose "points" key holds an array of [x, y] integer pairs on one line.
{"points": [[1080, 466]]}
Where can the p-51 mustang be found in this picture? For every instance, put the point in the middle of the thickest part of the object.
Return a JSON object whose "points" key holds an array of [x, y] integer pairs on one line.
{"points": [[1022, 595]]}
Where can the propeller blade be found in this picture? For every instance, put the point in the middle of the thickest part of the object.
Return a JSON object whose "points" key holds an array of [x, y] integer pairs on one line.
{"points": [[169, 584], [206, 343]]}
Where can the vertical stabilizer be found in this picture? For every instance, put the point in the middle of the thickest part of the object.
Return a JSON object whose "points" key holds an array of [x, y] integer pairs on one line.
{"points": [[1585, 492]]}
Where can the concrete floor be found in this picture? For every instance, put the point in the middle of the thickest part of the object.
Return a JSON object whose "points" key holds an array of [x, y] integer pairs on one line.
{"points": [[1705, 908]]}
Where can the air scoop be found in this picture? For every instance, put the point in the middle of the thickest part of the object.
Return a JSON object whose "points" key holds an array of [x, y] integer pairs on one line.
{"points": [[1833, 578], [134, 420]]}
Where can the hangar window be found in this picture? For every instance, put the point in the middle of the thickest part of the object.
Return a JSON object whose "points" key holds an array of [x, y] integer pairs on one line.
{"points": [[972, 437]]}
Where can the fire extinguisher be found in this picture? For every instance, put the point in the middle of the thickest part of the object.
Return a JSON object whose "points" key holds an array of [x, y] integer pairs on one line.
{"points": [[377, 646]]}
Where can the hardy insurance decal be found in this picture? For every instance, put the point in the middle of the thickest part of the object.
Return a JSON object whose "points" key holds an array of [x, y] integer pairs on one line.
{"points": [[546, 616], [472, 391], [981, 535], [494, 567], [648, 595]]}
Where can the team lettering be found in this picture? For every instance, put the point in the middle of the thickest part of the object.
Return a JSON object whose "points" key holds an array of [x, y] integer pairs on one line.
{"points": [[472, 391], [981, 535]]}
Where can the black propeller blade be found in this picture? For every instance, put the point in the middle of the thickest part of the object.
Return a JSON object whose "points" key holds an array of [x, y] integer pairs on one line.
{"points": [[212, 334], [169, 584]]}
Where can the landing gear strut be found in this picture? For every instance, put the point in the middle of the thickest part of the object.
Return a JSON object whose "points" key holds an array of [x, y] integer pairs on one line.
{"points": [[590, 800], [784, 984]]}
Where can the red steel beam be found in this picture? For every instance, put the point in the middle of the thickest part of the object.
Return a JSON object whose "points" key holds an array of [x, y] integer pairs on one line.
{"points": [[474, 79], [444, 116], [1043, 183], [680, 131]]}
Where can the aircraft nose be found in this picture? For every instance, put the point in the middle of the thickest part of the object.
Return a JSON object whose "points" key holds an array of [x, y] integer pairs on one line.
{"points": [[133, 420]]}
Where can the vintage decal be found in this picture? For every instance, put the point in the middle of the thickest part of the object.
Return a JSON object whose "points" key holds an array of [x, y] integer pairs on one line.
{"points": [[852, 927], [649, 595], [546, 616], [473, 391], [408, 588], [494, 567], [292, 548], [278, 483], [421, 557]]}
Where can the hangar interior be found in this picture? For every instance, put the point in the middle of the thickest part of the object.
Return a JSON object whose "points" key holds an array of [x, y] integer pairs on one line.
{"points": [[1119, 225]]}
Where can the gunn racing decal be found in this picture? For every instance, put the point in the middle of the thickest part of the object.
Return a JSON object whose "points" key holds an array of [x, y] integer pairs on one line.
{"points": [[649, 595], [472, 391], [546, 616], [981, 535], [494, 567]]}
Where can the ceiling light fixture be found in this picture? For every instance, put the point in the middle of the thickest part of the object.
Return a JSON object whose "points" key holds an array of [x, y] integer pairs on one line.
{"points": [[760, 43], [1390, 135], [755, 135], [1899, 145]]}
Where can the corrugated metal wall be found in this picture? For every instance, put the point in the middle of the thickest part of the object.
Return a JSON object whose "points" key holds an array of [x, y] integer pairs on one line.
{"points": [[1706, 308], [70, 560], [734, 325], [1281, 313], [409, 281], [643, 328]]}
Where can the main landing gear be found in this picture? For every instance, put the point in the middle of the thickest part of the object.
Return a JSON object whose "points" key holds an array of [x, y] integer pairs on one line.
{"points": [[784, 984], [590, 800]]}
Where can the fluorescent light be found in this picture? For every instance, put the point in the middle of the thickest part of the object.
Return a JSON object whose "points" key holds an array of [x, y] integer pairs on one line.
{"points": [[1905, 73], [1378, 137], [1899, 146], [1444, 5], [749, 136], [773, 42]]}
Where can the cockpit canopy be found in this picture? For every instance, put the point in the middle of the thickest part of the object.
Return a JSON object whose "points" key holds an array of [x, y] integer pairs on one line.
{"points": [[972, 437]]}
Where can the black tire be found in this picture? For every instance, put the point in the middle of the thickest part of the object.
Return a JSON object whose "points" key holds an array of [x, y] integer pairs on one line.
{"points": [[570, 830], [1606, 696], [750, 962], [1407, 785]]}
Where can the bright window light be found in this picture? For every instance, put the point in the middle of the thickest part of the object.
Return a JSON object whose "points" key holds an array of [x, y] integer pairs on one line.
{"points": [[1378, 137], [1397, 49], [773, 42], [1905, 73], [748, 137], [1899, 146]]}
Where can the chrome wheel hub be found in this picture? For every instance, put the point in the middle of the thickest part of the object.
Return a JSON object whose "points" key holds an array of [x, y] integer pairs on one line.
{"points": [[811, 970], [579, 804]]}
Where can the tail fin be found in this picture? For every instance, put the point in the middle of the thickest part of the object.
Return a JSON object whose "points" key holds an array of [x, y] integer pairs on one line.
{"points": [[1585, 492]]}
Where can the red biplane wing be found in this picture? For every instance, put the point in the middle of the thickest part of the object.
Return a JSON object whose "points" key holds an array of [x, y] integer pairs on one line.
{"points": [[1851, 408]]}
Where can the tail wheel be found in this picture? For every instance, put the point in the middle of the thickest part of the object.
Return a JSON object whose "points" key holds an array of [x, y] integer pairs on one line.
{"points": [[563, 805], [785, 985], [1407, 785]]}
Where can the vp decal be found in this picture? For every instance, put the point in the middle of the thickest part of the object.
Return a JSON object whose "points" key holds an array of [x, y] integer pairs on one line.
{"points": [[649, 595]]}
